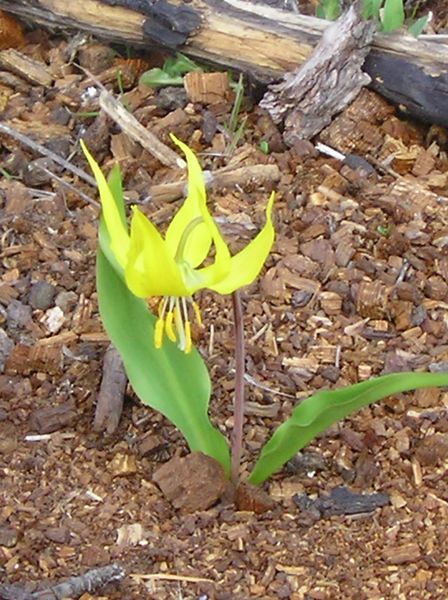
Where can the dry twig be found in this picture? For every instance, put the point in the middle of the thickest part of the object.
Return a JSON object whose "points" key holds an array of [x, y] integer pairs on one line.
{"points": [[74, 587], [110, 397]]}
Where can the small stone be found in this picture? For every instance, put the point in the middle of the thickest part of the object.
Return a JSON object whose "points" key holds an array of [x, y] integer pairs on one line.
{"points": [[37, 172], [18, 314], [54, 319], [8, 537], [41, 295], [59, 535], [194, 482], [66, 301], [6, 346], [8, 445], [306, 462], [170, 98], [254, 499]]}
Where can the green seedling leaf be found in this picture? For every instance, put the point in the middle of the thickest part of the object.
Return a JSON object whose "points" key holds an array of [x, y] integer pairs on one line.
{"points": [[318, 412], [264, 146], [418, 26], [159, 78], [171, 73], [179, 65], [166, 379], [393, 15]]}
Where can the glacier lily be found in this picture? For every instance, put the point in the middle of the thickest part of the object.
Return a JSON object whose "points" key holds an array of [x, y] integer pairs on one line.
{"points": [[172, 267]]}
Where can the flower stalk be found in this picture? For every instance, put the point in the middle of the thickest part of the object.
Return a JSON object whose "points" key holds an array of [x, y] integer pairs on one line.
{"points": [[238, 406]]}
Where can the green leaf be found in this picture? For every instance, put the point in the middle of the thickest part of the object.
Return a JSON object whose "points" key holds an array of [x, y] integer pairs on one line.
{"points": [[264, 146], [179, 65], [328, 9], [371, 8], [318, 412], [159, 78], [170, 381], [171, 73], [393, 15], [418, 26]]}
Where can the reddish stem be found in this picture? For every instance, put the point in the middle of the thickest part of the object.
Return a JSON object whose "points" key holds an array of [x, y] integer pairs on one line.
{"points": [[238, 407]]}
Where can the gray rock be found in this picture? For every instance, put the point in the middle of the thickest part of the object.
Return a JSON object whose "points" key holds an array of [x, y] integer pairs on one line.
{"points": [[8, 537], [18, 314], [66, 301], [42, 294], [6, 346]]}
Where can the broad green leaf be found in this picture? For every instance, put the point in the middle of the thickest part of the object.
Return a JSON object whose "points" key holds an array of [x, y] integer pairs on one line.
{"points": [[393, 15], [318, 412], [418, 26], [168, 380]]}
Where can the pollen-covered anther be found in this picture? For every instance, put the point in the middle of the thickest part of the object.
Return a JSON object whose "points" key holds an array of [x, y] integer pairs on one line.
{"points": [[188, 343], [174, 321], [158, 333], [197, 313], [169, 326]]}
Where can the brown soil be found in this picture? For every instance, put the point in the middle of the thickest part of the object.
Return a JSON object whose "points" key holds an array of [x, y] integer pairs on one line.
{"points": [[356, 286]]}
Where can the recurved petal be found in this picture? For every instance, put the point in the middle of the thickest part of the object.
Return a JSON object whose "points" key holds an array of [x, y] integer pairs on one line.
{"points": [[150, 268], [117, 231], [247, 264], [188, 237]]}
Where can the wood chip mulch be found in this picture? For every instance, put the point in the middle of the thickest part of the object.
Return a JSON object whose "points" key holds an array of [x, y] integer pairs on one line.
{"points": [[356, 286]]}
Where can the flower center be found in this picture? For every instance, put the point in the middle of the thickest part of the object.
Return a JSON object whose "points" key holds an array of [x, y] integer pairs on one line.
{"points": [[175, 323]]}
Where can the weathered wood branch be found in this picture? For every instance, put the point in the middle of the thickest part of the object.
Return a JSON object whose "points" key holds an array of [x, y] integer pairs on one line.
{"points": [[308, 98], [261, 40]]}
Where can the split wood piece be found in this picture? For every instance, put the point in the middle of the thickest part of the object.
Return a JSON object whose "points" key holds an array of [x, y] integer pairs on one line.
{"points": [[256, 39], [32, 70], [135, 130], [53, 418], [92, 580], [208, 88], [308, 98], [111, 395], [221, 178]]}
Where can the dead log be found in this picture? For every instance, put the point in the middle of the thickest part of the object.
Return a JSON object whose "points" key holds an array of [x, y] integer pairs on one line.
{"points": [[310, 96], [257, 39]]}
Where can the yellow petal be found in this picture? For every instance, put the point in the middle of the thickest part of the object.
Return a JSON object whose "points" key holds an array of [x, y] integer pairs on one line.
{"points": [[150, 269], [247, 264], [207, 276], [196, 244], [117, 231]]}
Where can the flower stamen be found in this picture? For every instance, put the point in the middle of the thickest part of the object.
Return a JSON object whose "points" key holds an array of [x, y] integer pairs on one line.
{"points": [[160, 324], [174, 321]]}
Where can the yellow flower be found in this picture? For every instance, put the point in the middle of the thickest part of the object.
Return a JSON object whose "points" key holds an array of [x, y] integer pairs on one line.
{"points": [[172, 267]]}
